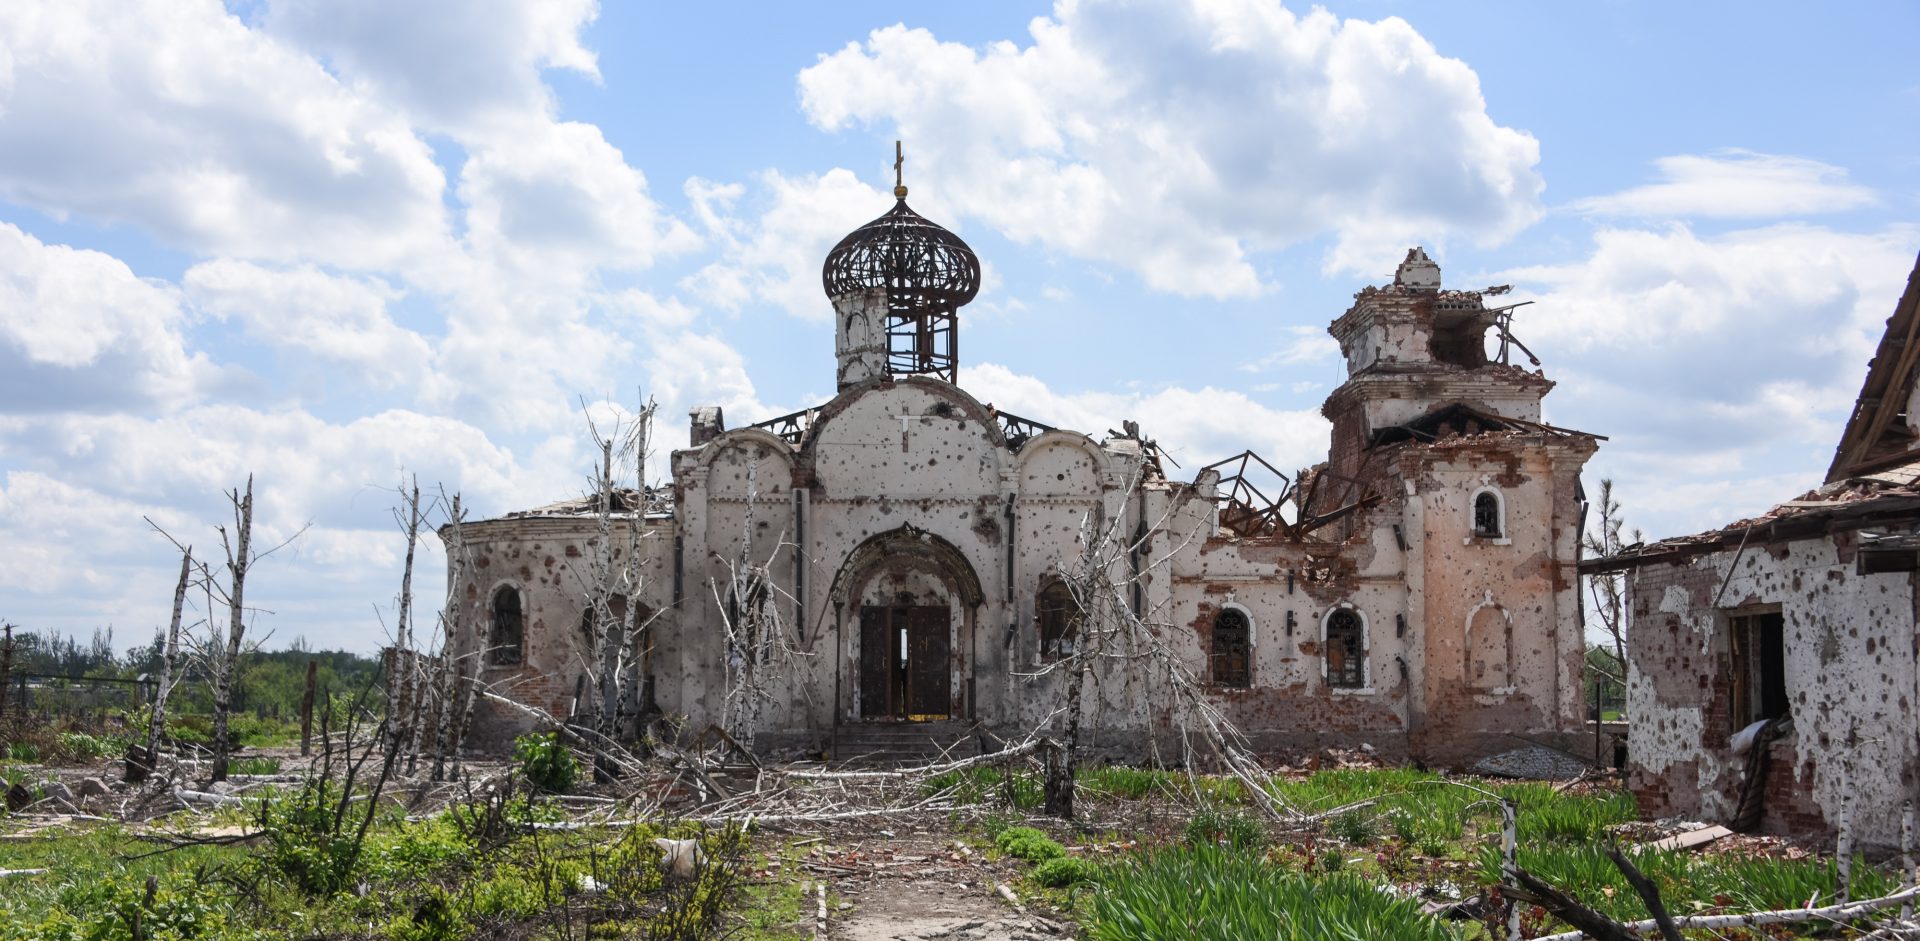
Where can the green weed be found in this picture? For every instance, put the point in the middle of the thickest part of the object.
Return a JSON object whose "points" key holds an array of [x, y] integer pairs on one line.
{"points": [[1063, 871], [545, 762], [1210, 827], [1028, 844], [1209, 894]]}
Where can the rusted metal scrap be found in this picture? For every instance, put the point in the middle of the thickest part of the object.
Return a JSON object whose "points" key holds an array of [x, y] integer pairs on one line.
{"points": [[1248, 511]]}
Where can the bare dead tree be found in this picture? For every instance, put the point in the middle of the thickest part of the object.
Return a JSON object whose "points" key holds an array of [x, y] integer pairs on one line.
{"points": [[759, 653], [1122, 625], [225, 656], [403, 708], [220, 652], [453, 684], [169, 655], [1609, 589], [614, 581]]}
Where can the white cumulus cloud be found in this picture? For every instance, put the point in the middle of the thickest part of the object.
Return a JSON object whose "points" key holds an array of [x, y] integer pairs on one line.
{"points": [[325, 319], [1735, 184], [451, 64], [774, 257], [1177, 139], [174, 116], [80, 331], [1712, 362], [1194, 426]]}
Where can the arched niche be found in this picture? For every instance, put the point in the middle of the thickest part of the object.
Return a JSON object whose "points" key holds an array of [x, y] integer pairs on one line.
{"points": [[748, 460], [1489, 646], [1060, 463]]}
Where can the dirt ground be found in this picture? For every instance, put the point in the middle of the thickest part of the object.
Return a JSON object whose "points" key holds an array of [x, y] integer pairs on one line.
{"points": [[907, 885]]}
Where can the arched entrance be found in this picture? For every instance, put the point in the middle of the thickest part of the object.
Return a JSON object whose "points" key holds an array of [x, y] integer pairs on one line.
{"points": [[912, 598]]}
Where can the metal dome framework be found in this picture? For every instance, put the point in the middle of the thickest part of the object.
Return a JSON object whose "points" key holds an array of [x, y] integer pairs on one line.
{"points": [[928, 273]]}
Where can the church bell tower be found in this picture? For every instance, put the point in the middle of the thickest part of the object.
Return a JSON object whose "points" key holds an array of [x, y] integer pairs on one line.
{"points": [[897, 285]]}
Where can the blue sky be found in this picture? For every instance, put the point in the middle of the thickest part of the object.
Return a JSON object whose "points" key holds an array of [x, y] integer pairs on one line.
{"points": [[334, 243]]}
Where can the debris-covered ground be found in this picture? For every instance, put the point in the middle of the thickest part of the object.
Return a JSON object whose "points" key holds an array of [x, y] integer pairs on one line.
{"points": [[802, 851]]}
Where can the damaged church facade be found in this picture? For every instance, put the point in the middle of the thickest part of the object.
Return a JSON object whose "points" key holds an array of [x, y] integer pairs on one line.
{"points": [[1774, 663], [1415, 592]]}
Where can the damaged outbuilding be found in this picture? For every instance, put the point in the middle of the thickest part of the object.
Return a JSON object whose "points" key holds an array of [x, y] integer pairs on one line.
{"points": [[1772, 676]]}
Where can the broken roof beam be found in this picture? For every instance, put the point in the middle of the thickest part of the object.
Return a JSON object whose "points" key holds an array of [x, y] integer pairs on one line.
{"points": [[1244, 507], [1884, 392], [792, 427]]}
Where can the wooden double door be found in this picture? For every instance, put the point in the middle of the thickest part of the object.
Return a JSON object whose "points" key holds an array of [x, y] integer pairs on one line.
{"points": [[906, 662]]}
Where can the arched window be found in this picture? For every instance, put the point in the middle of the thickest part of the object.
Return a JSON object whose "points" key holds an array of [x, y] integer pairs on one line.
{"points": [[1232, 649], [617, 618], [504, 641], [1346, 650], [1487, 521], [1058, 619]]}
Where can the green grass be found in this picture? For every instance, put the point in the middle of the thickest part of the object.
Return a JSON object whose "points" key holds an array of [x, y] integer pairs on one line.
{"points": [[980, 785], [258, 765], [1688, 883], [1209, 894], [778, 908]]}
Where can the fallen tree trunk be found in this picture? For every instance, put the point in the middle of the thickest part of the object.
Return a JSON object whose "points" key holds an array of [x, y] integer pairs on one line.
{"points": [[992, 758]]}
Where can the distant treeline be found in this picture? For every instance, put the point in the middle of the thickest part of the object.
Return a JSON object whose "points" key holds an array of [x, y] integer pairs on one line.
{"points": [[271, 682]]}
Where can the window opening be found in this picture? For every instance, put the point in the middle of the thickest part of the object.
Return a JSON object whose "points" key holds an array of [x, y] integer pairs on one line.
{"points": [[504, 641], [1059, 620], [1758, 664], [1486, 516], [1232, 660], [1346, 650]]}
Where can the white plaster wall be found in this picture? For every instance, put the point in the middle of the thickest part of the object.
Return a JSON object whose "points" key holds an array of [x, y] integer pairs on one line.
{"points": [[1850, 648]]}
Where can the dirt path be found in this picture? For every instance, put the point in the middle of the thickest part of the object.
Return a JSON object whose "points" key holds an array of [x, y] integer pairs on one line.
{"points": [[921, 887]]}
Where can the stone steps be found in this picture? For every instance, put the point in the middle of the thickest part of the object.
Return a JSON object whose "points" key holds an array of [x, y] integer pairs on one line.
{"points": [[904, 742]]}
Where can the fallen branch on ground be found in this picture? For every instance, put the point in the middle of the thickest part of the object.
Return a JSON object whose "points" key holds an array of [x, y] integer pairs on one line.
{"points": [[1018, 751], [1787, 916]]}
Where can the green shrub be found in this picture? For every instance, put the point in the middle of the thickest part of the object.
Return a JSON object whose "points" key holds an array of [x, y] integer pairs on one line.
{"points": [[1028, 844], [1210, 827], [433, 919], [303, 842], [183, 908], [545, 762], [1062, 871]]}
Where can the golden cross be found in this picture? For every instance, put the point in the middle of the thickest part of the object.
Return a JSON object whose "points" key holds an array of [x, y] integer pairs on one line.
{"points": [[898, 159]]}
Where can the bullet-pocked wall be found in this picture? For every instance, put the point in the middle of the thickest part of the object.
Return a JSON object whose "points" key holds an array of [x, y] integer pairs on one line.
{"points": [[1417, 595], [1846, 646]]}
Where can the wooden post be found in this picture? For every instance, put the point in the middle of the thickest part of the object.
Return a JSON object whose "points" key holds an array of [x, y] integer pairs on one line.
{"points": [[306, 712], [1597, 716], [6, 665], [1843, 852], [1509, 859], [1908, 875]]}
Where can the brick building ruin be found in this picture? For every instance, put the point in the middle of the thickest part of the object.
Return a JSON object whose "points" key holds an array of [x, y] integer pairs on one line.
{"points": [[1417, 591], [1796, 628]]}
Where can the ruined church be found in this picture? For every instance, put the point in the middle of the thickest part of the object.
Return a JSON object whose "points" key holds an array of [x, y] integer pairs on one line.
{"points": [[1416, 592]]}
